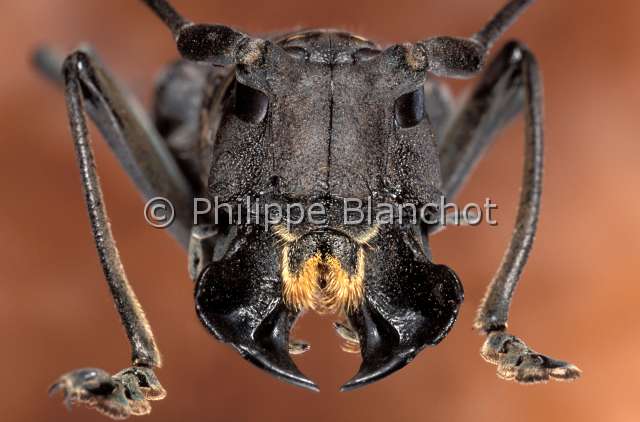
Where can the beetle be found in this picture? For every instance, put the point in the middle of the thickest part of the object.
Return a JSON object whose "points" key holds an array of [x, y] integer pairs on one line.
{"points": [[312, 116]]}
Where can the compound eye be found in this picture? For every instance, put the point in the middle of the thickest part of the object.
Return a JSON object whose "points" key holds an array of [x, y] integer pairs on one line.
{"points": [[250, 104], [409, 108]]}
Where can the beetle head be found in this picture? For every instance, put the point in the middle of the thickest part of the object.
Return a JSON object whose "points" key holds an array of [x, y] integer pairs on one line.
{"points": [[316, 117], [326, 115], [319, 116]]}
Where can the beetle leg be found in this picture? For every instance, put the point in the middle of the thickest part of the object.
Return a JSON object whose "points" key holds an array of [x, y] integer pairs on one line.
{"points": [[119, 396], [138, 146], [516, 361], [511, 83], [494, 102], [127, 392]]}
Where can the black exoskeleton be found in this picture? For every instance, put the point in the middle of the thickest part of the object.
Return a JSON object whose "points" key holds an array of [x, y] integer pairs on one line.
{"points": [[314, 117]]}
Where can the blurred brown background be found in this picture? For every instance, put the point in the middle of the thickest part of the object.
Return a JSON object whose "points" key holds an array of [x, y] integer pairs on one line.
{"points": [[578, 300]]}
